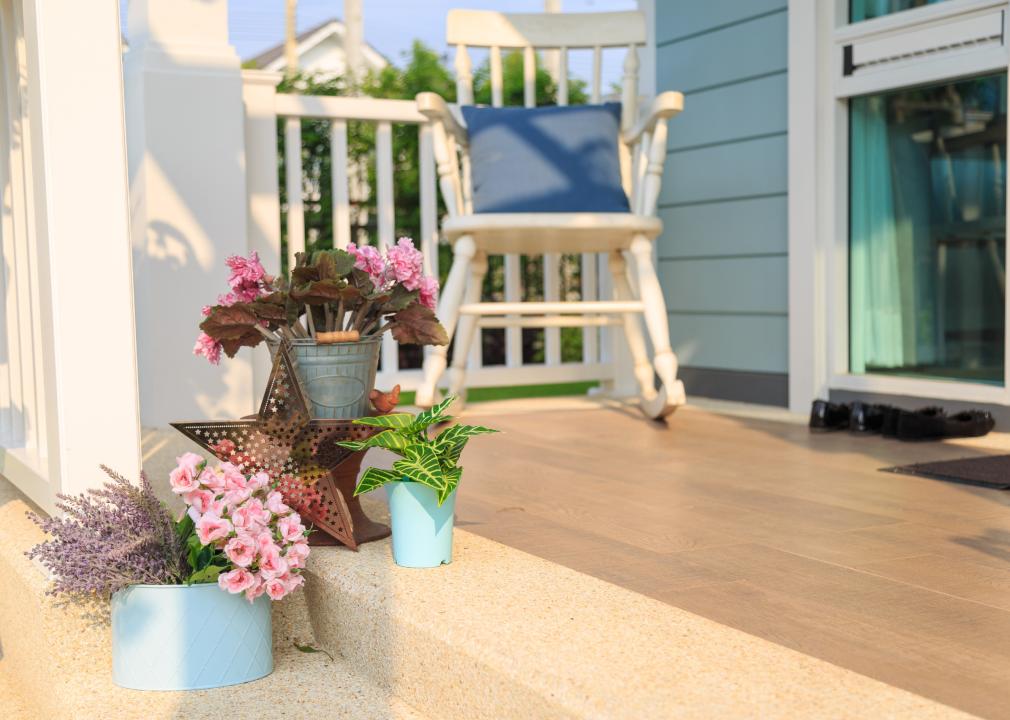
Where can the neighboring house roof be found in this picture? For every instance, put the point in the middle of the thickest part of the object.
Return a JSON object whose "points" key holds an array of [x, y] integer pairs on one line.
{"points": [[320, 51]]}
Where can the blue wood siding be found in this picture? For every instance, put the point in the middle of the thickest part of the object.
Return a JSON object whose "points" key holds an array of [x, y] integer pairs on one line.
{"points": [[722, 256]]}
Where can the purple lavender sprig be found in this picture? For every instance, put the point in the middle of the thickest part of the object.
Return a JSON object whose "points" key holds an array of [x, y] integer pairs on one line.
{"points": [[115, 536]]}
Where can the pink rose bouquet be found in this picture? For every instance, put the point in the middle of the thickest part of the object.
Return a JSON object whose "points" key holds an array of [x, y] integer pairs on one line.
{"points": [[355, 292], [239, 531]]}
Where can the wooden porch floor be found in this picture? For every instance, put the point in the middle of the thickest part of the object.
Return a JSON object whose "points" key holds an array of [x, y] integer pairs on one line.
{"points": [[762, 526]]}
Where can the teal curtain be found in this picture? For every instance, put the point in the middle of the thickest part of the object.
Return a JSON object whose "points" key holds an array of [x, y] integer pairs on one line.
{"points": [[875, 315]]}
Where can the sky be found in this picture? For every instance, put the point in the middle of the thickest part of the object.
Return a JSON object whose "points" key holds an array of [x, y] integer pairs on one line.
{"points": [[391, 25]]}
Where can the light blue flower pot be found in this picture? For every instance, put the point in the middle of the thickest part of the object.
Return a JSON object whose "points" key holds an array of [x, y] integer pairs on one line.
{"points": [[179, 637], [422, 531]]}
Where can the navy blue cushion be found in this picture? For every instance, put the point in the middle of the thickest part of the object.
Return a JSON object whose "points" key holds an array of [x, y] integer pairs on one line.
{"points": [[547, 159]]}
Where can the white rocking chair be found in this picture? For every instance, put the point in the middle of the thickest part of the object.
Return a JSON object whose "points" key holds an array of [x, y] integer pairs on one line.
{"points": [[474, 236]]}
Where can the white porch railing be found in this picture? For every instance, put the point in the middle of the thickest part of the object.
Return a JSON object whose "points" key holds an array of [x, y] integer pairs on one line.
{"points": [[263, 108]]}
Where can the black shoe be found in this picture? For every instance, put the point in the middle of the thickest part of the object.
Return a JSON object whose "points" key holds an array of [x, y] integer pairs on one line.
{"points": [[928, 423], [867, 418], [889, 428], [825, 415], [970, 423]]}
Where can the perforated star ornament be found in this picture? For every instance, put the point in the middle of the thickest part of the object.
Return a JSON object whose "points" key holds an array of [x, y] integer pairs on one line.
{"points": [[284, 440]]}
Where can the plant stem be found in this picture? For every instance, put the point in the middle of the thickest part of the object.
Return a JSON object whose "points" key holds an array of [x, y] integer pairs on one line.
{"points": [[361, 315], [385, 327], [339, 324], [328, 318], [310, 321], [271, 336]]}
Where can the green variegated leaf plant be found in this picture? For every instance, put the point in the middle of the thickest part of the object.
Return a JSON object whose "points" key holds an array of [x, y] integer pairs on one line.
{"points": [[431, 460]]}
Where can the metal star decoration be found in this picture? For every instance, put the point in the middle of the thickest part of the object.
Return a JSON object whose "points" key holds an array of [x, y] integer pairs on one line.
{"points": [[285, 441]]}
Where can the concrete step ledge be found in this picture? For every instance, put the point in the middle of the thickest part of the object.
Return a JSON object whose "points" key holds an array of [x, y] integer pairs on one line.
{"points": [[56, 662], [501, 634]]}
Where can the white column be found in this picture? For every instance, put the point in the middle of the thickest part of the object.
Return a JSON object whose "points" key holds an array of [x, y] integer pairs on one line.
{"points": [[76, 168], [187, 178]]}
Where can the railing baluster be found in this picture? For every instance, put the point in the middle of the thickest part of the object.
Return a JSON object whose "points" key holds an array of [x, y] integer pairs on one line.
{"points": [[338, 181], [563, 76], [464, 76], [386, 210], [428, 200], [589, 291], [496, 77], [597, 74], [293, 178], [384, 181], [529, 77], [513, 292]]}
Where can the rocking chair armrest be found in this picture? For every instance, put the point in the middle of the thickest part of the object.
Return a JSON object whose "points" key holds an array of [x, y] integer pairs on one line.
{"points": [[433, 107], [666, 105]]}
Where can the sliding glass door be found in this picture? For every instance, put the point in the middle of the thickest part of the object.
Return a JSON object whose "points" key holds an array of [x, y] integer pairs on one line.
{"points": [[926, 189], [927, 230]]}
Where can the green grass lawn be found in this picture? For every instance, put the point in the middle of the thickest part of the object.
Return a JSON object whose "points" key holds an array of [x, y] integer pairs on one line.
{"points": [[518, 391]]}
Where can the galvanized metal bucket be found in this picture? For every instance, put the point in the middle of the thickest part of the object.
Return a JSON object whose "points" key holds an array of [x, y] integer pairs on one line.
{"points": [[338, 377], [188, 637]]}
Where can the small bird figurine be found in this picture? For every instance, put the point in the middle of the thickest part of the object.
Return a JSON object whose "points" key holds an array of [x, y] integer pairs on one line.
{"points": [[384, 402]]}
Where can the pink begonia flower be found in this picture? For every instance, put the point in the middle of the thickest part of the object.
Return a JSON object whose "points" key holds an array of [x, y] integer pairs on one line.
{"points": [[245, 271], [291, 528], [256, 589], [183, 478], [275, 504], [233, 477], [259, 481], [428, 295], [250, 517], [234, 498], [241, 550], [271, 564], [264, 541], [200, 500], [276, 588], [212, 478], [236, 581], [297, 554], [370, 260], [208, 347], [205, 310], [404, 264], [210, 527], [292, 582]]}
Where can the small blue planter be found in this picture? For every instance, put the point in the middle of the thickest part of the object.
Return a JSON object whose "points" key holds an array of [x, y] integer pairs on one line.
{"points": [[422, 531], [188, 637]]}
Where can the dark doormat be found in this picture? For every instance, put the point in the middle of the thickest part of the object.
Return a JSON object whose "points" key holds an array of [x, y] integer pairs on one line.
{"points": [[992, 471]]}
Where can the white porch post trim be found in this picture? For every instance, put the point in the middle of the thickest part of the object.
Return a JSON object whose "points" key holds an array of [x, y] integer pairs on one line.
{"points": [[259, 92], [78, 180], [807, 290], [185, 121]]}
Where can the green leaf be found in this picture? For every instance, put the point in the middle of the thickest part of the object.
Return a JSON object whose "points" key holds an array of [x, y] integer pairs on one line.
{"points": [[389, 439], [206, 575], [311, 649], [353, 444], [454, 434], [375, 478], [421, 465], [393, 420], [452, 478], [432, 415]]}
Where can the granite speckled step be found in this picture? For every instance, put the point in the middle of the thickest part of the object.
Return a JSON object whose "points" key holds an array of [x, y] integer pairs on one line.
{"points": [[55, 662]]}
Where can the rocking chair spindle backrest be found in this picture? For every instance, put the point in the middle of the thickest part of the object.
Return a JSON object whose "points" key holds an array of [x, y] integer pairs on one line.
{"points": [[550, 32]]}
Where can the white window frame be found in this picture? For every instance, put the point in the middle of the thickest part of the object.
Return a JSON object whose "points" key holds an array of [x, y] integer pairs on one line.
{"points": [[818, 188]]}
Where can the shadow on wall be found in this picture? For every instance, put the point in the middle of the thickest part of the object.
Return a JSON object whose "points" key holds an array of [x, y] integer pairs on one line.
{"points": [[189, 206]]}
